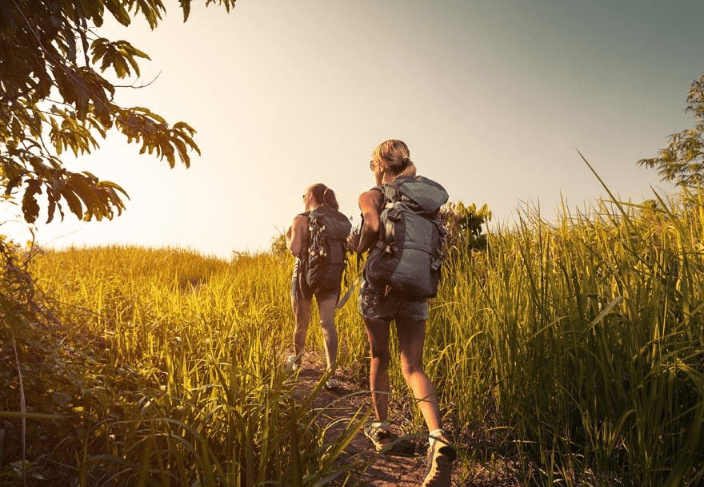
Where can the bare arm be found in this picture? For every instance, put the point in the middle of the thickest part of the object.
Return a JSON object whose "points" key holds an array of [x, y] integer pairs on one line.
{"points": [[370, 203], [296, 235]]}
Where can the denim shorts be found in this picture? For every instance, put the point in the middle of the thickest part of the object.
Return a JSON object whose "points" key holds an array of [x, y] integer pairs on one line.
{"points": [[377, 305]]}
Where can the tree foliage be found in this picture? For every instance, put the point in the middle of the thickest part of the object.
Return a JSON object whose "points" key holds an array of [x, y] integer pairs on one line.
{"points": [[682, 160], [464, 226], [55, 97]]}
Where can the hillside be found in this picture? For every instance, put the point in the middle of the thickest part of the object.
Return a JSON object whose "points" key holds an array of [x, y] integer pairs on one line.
{"points": [[568, 352]]}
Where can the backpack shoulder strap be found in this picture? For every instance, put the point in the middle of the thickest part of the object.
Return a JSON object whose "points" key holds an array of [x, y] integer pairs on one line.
{"points": [[381, 189], [387, 217], [392, 191]]}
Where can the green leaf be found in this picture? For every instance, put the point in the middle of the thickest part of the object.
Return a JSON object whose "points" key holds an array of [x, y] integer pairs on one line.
{"points": [[17, 130], [121, 69], [30, 207], [114, 186], [12, 184], [186, 7], [74, 204], [118, 12], [52, 207]]}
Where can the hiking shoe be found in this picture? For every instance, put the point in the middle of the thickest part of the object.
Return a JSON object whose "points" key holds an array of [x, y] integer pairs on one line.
{"points": [[440, 458], [332, 383], [379, 434], [385, 441], [290, 366]]}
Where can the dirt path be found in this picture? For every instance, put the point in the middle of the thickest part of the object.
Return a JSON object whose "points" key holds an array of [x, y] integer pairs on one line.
{"points": [[342, 404], [339, 406]]}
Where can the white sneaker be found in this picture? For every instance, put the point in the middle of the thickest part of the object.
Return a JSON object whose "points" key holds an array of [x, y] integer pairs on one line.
{"points": [[379, 433], [440, 457], [290, 366]]}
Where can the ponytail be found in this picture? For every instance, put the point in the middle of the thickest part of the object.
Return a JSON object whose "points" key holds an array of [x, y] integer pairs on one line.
{"points": [[324, 196], [395, 157], [329, 199]]}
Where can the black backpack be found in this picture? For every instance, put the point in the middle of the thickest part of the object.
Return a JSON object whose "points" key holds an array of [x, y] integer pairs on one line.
{"points": [[327, 232], [409, 252]]}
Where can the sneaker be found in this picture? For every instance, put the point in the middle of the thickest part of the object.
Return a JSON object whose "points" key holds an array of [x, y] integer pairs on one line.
{"points": [[379, 434], [385, 441], [332, 383], [290, 366], [440, 458]]}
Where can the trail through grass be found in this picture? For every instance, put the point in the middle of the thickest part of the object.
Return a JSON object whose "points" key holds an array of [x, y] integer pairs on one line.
{"points": [[574, 348]]}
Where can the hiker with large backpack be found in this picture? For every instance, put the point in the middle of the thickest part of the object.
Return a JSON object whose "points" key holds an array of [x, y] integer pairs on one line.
{"points": [[317, 239], [405, 243]]}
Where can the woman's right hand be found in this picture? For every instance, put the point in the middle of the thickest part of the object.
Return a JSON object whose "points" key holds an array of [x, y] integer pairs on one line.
{"points": [[353, 242]]}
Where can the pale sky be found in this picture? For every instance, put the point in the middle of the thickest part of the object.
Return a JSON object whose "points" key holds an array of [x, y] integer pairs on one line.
{"points": [[493, 98]]}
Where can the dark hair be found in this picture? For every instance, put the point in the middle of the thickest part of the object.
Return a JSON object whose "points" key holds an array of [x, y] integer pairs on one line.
{"points": [[324, 196]]}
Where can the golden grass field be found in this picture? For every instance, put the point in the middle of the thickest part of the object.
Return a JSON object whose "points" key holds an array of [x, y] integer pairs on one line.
{"points": [[574, 348]]}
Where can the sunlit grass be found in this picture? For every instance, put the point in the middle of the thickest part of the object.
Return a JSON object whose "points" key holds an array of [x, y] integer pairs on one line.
{"points": [[200, 343], [586, 336], [579, 340]]}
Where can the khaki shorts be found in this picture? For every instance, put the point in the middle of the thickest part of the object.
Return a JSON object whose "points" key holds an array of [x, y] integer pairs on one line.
{"points": [[376, 305]]}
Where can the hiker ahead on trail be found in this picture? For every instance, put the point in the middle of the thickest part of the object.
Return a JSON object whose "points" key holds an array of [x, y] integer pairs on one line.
{"points": [[404, 239], [317, 239]]}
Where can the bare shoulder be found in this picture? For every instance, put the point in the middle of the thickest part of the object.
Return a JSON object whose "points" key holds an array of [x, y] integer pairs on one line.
{"points": [[300, 221], [301, 217], [297, 234], [371, 199]]}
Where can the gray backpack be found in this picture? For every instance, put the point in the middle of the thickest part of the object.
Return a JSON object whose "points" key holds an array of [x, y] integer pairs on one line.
{"points": [[408, 255], [328, 229]]}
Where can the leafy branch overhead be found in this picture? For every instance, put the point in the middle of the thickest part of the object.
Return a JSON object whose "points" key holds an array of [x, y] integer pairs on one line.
{"points": [[682, 160], [54, 97]]}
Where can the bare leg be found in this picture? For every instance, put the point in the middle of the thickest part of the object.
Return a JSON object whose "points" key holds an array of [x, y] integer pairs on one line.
{"points": [[378, 333], [440, 453], [327, 322], [301, 313], [411, 336]]}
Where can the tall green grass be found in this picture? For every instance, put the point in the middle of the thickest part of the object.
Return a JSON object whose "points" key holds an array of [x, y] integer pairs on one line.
{"points": [[190, 390], [586, 337], [580, 339]]}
